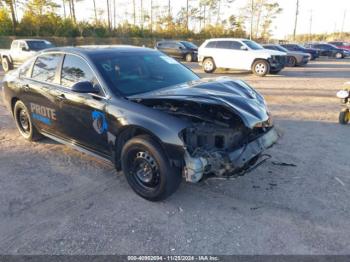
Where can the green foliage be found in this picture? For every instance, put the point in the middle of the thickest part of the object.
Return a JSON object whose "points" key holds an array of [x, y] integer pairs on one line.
{"points": [[5, 22]]}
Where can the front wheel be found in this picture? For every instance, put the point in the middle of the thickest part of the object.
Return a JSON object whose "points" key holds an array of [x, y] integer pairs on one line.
{"points": [[209, 65], [189, 58], [338, 55], [261, 68], [344, 117], [24, 122], [147, 169]]}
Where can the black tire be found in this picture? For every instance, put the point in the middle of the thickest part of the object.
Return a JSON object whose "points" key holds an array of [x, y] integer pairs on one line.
{"points": [[189, 57], [292, 62], [261, 68], [24, 122], [147, 169], [344, 117], [6, 64], [209, 65]]}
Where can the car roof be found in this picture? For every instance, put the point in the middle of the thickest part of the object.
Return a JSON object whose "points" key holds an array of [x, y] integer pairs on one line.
{"points": [[91, 50], [28, 39], [229, 39]]}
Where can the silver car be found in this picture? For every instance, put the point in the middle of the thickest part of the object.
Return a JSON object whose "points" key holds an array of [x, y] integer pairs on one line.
{"points": [[293, 58]]}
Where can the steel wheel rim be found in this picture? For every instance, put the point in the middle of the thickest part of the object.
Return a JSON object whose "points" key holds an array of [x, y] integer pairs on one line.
{"points": [[338, 55], [188, 58], [23, 121], [145, 170]]}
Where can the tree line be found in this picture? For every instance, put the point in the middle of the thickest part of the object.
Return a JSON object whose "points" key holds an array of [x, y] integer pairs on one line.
{"points": [[139, 18]]}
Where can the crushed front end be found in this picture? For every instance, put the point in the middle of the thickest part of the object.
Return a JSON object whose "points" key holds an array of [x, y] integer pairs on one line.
{"points": [[228, 125]]}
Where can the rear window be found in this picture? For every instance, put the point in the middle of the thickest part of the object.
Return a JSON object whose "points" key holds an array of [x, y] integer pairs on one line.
{"points": [[45, 67]]}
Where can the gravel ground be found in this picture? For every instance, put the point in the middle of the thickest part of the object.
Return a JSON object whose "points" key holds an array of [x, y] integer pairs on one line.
{"points": [[54, 200]]}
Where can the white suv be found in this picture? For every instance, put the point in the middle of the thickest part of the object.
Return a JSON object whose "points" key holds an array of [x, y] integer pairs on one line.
{"points": [[239, 54]]}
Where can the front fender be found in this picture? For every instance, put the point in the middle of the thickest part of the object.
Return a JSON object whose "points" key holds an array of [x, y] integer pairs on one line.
{"points": [[165, 127]]}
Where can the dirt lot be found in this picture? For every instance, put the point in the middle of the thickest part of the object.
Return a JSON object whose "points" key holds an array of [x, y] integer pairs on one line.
{"points": [[54, 200]]}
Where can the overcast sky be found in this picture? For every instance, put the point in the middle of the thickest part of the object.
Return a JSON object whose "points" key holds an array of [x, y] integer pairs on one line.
{"points": [[327, 16]]}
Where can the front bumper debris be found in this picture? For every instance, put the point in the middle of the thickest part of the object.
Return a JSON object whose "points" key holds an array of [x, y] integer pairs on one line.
{"points": [[196, 167]]}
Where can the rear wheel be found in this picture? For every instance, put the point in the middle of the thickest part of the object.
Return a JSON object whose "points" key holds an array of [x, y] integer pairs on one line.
{"points": [[189, 57], [147, 169], [292, 62], [344, 117], [24, 122], [261, 68], [6, 64], [209, 65]]}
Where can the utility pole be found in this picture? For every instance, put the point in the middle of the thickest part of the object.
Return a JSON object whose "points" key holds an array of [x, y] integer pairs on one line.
{"points": [[187, 15], [310, 25], [342, 25], [251, 20], [64, 9], [296, 20], [151, 27], [114, 15]]}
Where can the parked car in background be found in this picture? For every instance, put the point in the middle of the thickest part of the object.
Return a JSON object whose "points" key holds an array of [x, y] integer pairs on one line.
{"points": [[239, 54], [341, 45], [20, 51], [293, 58], [328, 50], [179, 49], [298, 48]]}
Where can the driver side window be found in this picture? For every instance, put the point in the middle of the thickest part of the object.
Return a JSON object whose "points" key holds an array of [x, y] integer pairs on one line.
{"points": [[76, 70]]}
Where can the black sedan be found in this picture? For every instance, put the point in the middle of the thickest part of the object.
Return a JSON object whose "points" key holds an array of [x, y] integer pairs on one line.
{"points": [[298, 48], [148, 114], [328, 50]]}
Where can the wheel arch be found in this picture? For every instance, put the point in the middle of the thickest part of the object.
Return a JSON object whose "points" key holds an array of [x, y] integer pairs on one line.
{"points": [[131, 131]]}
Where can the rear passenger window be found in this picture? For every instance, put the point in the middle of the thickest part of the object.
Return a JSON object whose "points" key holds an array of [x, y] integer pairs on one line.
{"points": [[75, 70], [45, 67], [224, 44], [211, 44]]}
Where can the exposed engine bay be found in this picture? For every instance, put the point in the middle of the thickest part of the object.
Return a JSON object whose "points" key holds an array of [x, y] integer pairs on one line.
{"points": [[214, 133]]}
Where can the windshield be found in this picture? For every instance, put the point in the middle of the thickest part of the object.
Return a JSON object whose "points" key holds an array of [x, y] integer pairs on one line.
{"points": [[253, 45], [301, 47], [189, 45], [281, 48], [135, 73], [39, 45]]}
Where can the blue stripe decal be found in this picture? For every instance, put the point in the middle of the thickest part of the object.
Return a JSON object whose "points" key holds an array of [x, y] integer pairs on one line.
{"points": [[42, 119]]}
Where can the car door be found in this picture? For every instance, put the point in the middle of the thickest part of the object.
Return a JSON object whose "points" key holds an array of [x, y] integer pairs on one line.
{"points": [[83, 115], [37, 86], [230, 55]]}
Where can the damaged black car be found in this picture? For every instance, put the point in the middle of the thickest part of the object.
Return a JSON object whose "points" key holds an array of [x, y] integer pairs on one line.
{"points": [[154, 118]]}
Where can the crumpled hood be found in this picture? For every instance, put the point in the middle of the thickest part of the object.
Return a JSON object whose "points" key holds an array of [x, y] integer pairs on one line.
{"points": [[235, 95]]}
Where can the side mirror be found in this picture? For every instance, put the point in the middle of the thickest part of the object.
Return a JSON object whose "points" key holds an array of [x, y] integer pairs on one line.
{"points": [[180, 47], [244, 48], [84, 87], [24, 48]]}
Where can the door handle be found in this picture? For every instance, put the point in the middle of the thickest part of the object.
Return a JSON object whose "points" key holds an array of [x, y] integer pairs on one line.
{"points": [[61, 97]]}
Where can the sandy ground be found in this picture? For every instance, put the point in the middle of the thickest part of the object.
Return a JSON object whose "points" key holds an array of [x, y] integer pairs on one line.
{"points": [[54, 200]]}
